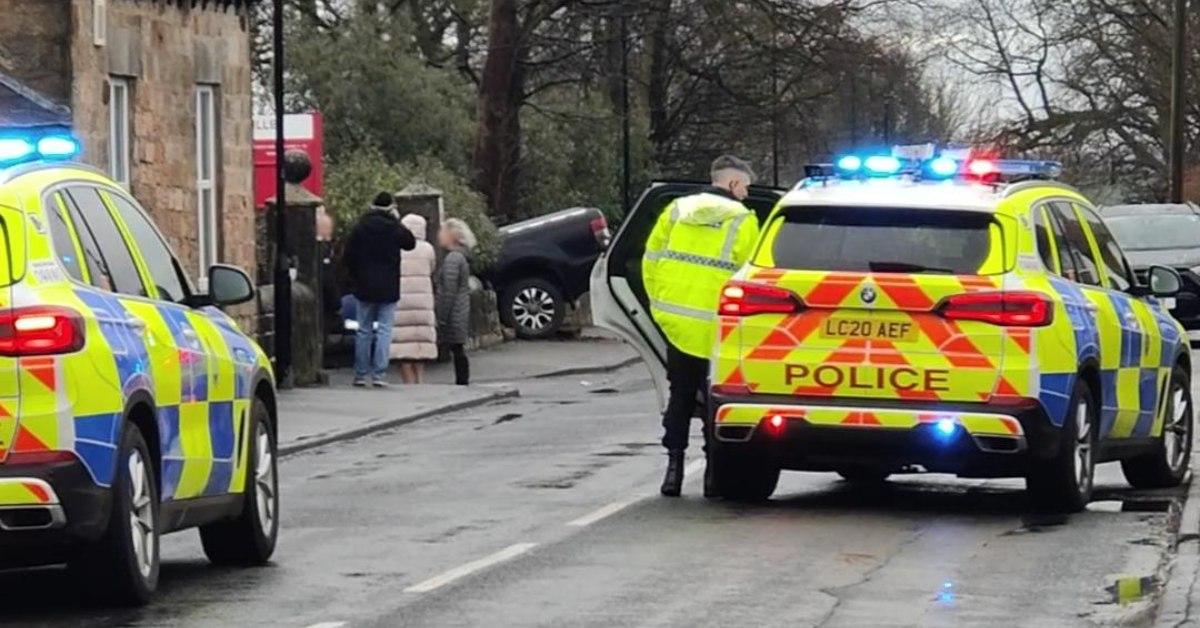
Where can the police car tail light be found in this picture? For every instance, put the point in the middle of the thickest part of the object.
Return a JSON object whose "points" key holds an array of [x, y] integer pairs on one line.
{"points": [[40, 330], [1009, 309], [740, 298]]}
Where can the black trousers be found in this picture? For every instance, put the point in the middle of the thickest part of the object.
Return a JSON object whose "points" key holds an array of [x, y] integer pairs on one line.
{"points": [[462, 368], [689, 379]]}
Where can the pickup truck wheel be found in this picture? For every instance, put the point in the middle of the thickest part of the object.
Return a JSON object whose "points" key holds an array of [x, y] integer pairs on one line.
{"points": [[534, 307]]}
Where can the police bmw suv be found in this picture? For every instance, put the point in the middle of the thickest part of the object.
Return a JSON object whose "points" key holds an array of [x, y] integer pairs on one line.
{"points": [[948, 314], [130, 405]]}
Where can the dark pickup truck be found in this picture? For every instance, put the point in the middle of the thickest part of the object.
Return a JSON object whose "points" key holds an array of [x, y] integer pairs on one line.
{"points": [[545, 264]]}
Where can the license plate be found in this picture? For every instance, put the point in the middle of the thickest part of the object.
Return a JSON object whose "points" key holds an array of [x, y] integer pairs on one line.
{"points": [[870, 329]]}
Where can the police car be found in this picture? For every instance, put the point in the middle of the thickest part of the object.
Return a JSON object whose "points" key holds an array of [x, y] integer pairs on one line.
{"points": [[951, 314], [130, 405]]}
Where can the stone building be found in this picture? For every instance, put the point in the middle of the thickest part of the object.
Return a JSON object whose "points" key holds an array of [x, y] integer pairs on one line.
{"points": [[159, 93]]}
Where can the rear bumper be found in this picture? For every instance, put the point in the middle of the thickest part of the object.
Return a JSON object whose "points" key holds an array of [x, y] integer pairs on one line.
{"points": [[46, 510], [822, 434]]}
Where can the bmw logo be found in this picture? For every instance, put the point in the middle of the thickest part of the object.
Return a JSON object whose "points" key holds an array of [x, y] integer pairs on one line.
{"points": [[867, 295]]}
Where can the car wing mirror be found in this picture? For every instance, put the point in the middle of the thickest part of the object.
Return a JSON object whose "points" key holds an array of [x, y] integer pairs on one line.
{"points": [[227, 285], [1163, 282]]}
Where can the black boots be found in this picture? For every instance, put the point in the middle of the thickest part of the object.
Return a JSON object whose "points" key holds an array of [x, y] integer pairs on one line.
{"points": [[673, 481]]}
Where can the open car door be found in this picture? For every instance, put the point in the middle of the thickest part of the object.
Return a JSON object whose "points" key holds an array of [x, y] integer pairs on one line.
{"points": [[619, 301]]}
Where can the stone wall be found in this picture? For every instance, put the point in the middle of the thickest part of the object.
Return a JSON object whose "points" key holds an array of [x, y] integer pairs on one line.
{"points": [[33, 45], [166, 49]]}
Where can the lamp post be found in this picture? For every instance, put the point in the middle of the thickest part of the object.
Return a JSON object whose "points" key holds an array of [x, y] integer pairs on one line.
{"points": [[282, 278], [1178, 75], [625, 152]]}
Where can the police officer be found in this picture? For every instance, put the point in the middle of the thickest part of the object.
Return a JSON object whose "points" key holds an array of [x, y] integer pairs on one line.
{"points": [[697, 244]]}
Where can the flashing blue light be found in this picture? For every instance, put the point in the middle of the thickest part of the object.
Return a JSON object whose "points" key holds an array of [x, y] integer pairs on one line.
{"points": [[943, 167], [57, 147], [882, 165], [15, 148], [946, 426], [849, 163]]}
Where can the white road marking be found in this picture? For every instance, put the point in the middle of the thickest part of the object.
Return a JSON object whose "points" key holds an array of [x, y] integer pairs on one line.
{"points": [[611, 509], [328, 624], [508, 553], [602, 512]]}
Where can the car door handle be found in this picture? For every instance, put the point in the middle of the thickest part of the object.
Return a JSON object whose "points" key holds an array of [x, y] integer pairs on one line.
{"points": [[1091, 307], [136, 323]]}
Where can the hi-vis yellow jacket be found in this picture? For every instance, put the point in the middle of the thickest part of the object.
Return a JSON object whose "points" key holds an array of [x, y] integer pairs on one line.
{"points": [[698, 243]]}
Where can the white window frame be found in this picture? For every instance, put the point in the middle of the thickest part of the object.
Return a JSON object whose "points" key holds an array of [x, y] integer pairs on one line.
{"points": [[207, 173], [120, 136]]}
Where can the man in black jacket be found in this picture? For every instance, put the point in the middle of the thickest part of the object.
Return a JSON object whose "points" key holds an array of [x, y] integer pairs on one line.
{"points": [[372, 260]]}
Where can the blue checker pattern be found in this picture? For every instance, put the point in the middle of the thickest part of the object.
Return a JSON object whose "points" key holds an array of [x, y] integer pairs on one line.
{"points": [[127, 346], [95, 443]]}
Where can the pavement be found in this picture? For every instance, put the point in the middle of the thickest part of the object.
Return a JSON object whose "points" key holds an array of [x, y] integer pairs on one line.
{"points": [[540, 510], [312, 417]]}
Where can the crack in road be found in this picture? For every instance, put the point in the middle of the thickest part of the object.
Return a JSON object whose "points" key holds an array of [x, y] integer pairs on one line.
{"points": [[837, 592]]}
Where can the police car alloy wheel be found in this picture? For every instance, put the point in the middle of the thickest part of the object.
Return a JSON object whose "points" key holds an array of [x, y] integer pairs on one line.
{"points": [[123, 565], [249, 540], [1064, 482], [1167, 465]]}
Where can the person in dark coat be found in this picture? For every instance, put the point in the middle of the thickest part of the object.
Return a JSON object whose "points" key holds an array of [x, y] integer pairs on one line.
{"points": [[372, 260], [453, 289]]}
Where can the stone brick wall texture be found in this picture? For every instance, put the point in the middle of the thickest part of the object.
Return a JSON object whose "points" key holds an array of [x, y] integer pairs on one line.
{"points": [[176, 47]]}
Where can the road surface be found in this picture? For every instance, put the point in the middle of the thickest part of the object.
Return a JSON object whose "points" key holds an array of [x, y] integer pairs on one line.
{"points": [[541, 511]]}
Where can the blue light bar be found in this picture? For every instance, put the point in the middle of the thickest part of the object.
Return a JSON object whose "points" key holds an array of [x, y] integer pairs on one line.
{"points": [[849, 163], [15, 149], [943, 167], [33, 144], [57, 147], [882, 165]]}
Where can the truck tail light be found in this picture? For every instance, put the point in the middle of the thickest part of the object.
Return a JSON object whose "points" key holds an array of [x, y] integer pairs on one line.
{"points": [[741, 298], [40, 330], [1008, 309], [600, 231]]}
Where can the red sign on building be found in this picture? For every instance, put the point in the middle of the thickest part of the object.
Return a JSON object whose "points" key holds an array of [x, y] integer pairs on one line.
{"points": [[301, 131]]}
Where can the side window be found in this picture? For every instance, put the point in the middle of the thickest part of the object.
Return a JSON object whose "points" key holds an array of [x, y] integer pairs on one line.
{"points": [[1115, 268], [115, 251], [68, 253], [1045, 241], [154, 251], [97, 269], [1075, 240]]}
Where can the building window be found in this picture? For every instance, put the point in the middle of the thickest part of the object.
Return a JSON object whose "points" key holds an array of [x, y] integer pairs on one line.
{"points": [[206, 176], [118, 130]]}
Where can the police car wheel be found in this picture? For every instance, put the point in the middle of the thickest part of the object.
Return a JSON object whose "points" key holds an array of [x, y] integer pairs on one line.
{"points": [[533, 307], [744, 478], [122, 566], [249, 540], [1064, 483], [1168, 464]]}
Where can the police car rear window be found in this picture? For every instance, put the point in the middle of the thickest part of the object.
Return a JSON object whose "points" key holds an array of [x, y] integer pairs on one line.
{"points": [[870, 239]]}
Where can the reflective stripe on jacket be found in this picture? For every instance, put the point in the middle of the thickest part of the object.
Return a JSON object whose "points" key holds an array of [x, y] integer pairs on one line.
{"points": [[698, 243]]}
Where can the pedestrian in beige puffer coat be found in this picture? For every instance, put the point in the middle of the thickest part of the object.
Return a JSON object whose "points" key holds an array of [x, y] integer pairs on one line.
{"points": [[414, 337]]}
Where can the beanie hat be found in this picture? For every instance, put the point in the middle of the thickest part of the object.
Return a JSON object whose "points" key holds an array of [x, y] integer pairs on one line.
{"points": [[383, 200]]}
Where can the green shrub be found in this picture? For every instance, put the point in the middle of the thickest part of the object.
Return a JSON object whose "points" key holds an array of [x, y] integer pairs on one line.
{"points": [[354, 179]]}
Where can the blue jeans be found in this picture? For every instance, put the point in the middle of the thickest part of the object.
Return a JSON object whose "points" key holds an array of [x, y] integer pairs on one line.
{"points": [[374, 332]]}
